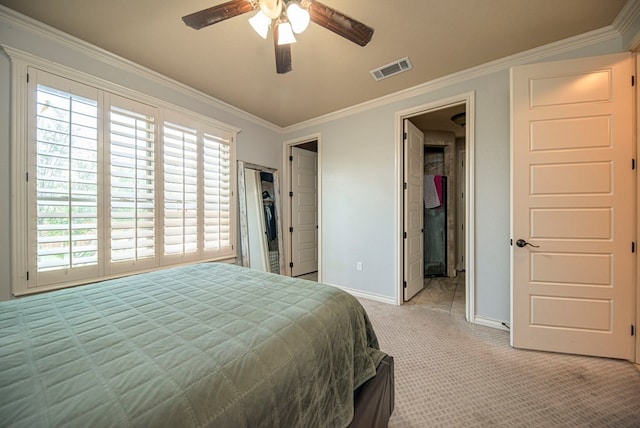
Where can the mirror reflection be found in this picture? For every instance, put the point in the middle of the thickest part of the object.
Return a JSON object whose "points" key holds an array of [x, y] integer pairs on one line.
{"points": [[260, 230]]}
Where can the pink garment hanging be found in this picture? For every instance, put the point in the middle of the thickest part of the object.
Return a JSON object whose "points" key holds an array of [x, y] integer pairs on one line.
{"points": [[437, 180]]}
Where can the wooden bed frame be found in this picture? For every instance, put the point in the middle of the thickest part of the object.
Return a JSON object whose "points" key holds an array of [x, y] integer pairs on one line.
{"points": [[374, 400]]}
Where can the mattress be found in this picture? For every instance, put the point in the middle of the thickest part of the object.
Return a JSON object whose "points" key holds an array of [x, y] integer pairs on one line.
{"points": [[210, 344]]}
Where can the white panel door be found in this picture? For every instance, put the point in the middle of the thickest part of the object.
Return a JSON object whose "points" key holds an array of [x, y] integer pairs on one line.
{"points": [[413, 210], [304, 211], [573, 193]]}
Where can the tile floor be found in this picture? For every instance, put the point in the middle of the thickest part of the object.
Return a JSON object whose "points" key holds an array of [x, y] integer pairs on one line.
{"points": [[442, 294], [439, 294], [313, 276]]}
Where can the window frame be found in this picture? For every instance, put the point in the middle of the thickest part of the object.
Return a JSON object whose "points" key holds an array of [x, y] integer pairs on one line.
{"points": [[24, 279]]}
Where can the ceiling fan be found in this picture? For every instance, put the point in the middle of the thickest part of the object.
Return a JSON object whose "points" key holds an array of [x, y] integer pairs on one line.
{"points": [[285, 17]]}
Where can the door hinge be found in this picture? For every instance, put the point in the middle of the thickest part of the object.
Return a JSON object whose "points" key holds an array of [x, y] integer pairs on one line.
{"points": [[404, 135], [404, 186], [28, 278], [633, 164], [291, 194], [633, 247], [27, 176], [633, 330], [633, 80], [291, 264], [290, 158], [291, 229], [27, 77], [404, 235], [511, 242], [404, 284]]}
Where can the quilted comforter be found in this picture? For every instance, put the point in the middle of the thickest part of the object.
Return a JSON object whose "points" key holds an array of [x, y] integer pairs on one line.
{"points": [[203, 345]]}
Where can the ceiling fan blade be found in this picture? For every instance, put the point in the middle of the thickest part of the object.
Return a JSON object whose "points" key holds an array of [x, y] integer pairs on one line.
{"points": [[217, 13], [340, 23], [283, 54]]}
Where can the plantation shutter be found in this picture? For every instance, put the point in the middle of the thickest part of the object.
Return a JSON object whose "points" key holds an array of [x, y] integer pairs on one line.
{"points": [[217, 192], [110, 185], [180, 159], [66, 180], [132, 183]]}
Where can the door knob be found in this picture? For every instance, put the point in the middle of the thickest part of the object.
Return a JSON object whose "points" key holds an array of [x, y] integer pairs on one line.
{"points": [[522, 243]]}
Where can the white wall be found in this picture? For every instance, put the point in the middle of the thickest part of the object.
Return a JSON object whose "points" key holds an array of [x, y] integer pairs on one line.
{"points": [[359, 187], [258, 141]]}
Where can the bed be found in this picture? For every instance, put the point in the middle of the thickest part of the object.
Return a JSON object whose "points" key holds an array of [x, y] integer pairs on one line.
{"points": [[210, 344]]}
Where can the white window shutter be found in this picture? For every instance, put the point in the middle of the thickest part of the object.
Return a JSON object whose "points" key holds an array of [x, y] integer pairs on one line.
{"points": [[66, 182], [132, 182], [180, 161], [116, 186], [217, 192]]}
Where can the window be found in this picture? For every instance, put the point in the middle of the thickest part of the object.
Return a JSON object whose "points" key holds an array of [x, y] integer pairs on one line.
{"points": [[119, 186], [217, 192], [180, 189], [132, 182], [66, 180]]}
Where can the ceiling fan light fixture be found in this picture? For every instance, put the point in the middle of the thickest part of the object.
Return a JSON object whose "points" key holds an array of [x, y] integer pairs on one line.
{"points": [[298, 17], [260, 23], [271, 8], [285, 33], [273, 15]]}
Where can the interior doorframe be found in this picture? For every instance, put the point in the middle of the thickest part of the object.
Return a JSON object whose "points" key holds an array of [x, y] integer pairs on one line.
{"points": [[468, 99], [636, 134], [286, 188]]}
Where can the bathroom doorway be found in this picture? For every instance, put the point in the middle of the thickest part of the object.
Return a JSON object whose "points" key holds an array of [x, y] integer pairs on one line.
{"points": [[447, 148]]}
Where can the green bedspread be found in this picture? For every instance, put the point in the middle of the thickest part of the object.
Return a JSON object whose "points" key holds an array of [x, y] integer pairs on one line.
{"points": [[203, 345]]}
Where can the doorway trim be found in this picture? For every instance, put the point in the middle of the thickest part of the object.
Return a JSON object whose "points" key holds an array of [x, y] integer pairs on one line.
{"points": [[468, 99], [286, 188]]}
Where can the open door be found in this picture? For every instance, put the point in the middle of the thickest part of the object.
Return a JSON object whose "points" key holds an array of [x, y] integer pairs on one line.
{"points": [[413, 210], [573, 196], [304, 211]]}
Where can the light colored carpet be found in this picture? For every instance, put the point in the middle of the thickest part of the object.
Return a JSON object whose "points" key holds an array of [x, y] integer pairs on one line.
{"points": [[450, 373]]}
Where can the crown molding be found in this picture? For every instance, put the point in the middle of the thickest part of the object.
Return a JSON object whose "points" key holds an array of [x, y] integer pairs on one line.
{"points": [[28, 59], [623, 21], [533, 55], [629, 13], [16, 19]]}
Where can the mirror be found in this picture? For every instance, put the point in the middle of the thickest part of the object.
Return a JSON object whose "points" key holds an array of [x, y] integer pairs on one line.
{"points": [[260, 229]]}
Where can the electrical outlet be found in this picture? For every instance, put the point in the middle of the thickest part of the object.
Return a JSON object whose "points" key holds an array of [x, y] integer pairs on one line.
{"points": [[358, 265]]}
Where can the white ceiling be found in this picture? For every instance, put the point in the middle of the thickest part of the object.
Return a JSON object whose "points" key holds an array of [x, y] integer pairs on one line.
{"points": [[230, 62]]}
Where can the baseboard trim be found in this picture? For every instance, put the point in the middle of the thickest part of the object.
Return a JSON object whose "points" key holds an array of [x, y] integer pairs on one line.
{"points": [[488, 322], [366, 295]]}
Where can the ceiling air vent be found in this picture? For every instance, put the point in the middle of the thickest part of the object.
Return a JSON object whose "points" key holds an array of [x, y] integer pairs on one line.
{"points": [[391, 69]]}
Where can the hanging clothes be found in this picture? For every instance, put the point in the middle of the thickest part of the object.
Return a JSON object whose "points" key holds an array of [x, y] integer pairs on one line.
{"points": [[270, 220], [437, 181], [431, 198]]}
